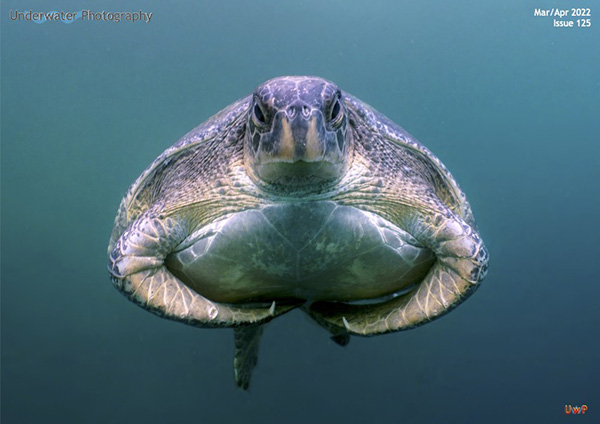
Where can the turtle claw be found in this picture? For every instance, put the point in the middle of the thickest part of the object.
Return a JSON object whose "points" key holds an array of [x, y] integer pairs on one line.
{"points": [[272, 309], [346, 324]]}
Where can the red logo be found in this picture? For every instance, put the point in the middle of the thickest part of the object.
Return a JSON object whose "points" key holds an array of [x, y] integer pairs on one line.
{"points": [[576, 410]]}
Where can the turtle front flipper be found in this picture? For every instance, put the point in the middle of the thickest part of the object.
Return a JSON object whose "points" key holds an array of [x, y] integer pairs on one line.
{"points": [[461, 263], [247, 341], [138, 271]]}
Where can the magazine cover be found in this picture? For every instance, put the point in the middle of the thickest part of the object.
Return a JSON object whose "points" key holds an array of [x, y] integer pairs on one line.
{"points": [[333, 211]]}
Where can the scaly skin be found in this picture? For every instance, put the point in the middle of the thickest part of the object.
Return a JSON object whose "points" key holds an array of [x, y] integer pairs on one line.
{"points": [[208, 174]]}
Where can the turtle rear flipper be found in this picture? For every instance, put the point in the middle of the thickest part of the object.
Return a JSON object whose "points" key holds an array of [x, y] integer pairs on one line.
{"points": [[247, 341], [337, 334]]}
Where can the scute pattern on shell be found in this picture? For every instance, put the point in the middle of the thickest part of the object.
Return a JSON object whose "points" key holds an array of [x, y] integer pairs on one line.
{"points": [[138, 198], [372, 121]]}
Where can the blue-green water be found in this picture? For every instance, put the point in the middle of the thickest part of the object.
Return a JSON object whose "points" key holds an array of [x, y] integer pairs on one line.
{"points": [[509, 103]]}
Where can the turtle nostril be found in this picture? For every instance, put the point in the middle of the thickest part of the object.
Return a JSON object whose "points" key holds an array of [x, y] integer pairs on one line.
{"points": [[291, 112], [298, 109]]}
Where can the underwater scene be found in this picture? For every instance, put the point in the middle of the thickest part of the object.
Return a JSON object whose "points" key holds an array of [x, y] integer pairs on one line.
{"points": [[348, 183]]}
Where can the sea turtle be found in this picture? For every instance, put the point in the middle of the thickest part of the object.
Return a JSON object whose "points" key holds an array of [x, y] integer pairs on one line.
{"points": [[299, 195]]}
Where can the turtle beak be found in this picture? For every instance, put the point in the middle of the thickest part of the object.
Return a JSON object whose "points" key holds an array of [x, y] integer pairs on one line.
{"points": [[301, 134]]}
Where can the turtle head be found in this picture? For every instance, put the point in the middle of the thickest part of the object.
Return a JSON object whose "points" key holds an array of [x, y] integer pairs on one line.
{"points": [[296, 134]]}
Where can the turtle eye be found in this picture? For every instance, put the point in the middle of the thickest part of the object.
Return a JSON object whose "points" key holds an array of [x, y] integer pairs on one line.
{"points": [[258, 116], [336, 114]]}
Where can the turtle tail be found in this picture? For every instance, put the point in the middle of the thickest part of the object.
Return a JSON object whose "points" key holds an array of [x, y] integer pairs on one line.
{"points": [[247, 341]]}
